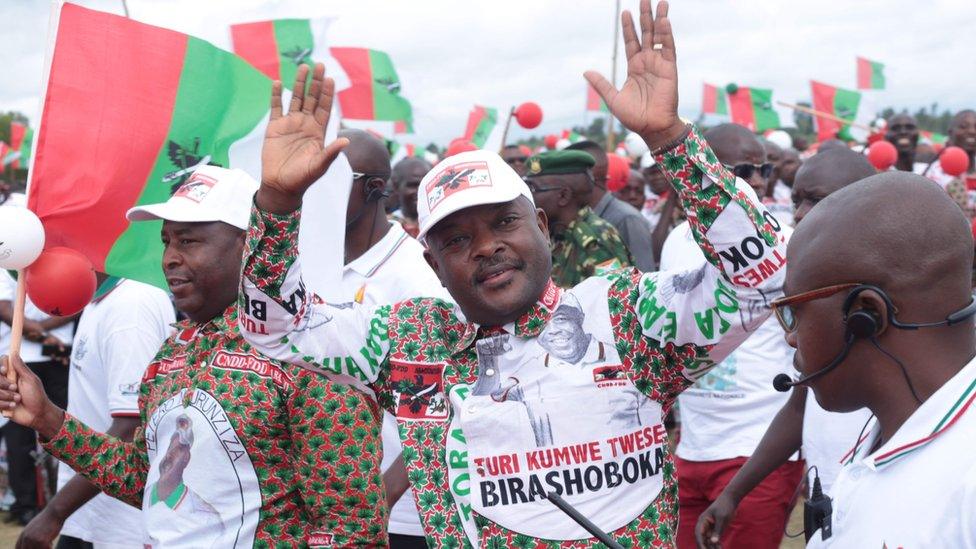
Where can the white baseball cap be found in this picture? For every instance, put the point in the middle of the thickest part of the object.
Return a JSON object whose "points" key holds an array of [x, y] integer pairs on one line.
{"points": [[210, 194], [464, 180]]}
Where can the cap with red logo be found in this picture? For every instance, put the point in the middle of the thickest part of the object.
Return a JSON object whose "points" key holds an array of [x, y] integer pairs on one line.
{"points": [[210, 194], [464, 180]]}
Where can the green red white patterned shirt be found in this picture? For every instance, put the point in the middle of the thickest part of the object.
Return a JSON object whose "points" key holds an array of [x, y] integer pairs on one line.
{"points": [[568, 398], [237, 450]]}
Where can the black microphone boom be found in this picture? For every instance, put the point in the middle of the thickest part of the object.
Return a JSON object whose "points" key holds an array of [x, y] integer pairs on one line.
{"points": [[783, 383]]}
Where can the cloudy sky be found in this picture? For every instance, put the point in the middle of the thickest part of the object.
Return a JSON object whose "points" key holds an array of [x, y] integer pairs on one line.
{"points": [[451, 55]]}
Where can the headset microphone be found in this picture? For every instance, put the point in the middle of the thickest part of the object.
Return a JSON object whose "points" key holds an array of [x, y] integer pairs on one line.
{"points": [[783, 382]]}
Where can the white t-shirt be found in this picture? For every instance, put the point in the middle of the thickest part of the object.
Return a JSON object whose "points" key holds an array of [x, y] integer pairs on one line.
{"points": [[118, 336], [393, 270], [725, 413], [919, 488], [29, 350]]}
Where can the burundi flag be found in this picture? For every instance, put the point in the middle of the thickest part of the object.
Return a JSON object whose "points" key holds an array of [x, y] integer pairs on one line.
{"points": [[130, 110], [933, 138], [844, 104], [21, 139], [5, 155], [870, 75], [374, 88], [277, 48], [752, 108], [594, 103], [483, 128], [714, 100]]}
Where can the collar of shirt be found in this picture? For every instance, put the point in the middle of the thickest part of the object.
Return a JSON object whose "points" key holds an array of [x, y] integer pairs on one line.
{"points": [[528, 325], [379, 253], [186, 330], [934, 417], [603, 204]]}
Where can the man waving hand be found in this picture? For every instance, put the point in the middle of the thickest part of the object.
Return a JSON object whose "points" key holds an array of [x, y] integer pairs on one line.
{"points": [[515, 388]]}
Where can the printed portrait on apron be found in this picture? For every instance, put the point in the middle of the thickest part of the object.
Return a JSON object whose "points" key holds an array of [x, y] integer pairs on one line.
{"points": [[200, 480], [558, 413]]}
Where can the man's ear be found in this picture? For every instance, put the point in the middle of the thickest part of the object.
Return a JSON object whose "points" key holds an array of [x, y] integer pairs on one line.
{"points": [[434, 265], [877, 306], [542, 220]]}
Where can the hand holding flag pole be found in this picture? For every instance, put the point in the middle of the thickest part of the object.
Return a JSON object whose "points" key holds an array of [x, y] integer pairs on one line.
{"points": [[294, 154]]}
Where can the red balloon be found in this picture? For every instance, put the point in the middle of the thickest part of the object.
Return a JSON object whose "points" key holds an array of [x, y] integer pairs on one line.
{"points": [[954, 161], [459, 145], [551, 141], [882, 155], [61, 281], [528, 115]]}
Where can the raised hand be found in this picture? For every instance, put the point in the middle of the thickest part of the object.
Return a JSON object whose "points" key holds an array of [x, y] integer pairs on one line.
{"points": [[647, 103], [26, 401], [294, 154]]}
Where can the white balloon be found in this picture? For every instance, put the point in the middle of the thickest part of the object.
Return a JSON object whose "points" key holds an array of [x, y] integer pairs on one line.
{"points": [[21, 237], [635, 145], [780, 138]]}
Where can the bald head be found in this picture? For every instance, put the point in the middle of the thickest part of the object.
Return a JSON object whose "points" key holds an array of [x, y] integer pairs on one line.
{"points": [[407, 175], [829, 144], [366, 153], [824, 174], [734, 145], [895, 230]]}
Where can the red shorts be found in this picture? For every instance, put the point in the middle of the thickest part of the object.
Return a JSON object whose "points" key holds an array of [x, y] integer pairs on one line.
{"points": [[761, 516]]}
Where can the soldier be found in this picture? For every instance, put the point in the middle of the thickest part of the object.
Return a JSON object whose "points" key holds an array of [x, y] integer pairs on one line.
{"points": [[561, 183]]}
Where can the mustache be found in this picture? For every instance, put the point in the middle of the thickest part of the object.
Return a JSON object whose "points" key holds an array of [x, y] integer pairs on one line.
{"points": [[495, 264]]}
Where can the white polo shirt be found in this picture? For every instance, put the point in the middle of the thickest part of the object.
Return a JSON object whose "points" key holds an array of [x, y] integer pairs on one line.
{"points": [[29, 350], [919, 488], [118, 336], [393, 270]]}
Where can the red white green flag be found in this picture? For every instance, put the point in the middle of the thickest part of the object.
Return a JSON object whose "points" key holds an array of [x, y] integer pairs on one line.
{"points": [[483, 128], [752, 107], [277, 48], [21, 138], [933, 137], [870, 75], [594, 103], [5, 155], [841, 103], [374, 88], [195, 104], [714, 100]]}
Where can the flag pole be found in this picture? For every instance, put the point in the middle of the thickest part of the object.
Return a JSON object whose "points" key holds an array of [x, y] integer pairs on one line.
{"points": [[125, 8], [611, 138], [16, 330], [508, 122], [821, 114]]}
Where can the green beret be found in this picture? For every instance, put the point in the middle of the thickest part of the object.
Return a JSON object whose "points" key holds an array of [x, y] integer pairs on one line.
{"points": [[559, 162]]}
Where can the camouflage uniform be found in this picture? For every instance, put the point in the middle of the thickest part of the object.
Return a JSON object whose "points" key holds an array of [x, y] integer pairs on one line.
{"points": [[589, 246]]}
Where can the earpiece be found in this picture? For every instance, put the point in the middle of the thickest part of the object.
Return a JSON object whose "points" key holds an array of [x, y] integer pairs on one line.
{"points": [[863, 324], [376, 194]]}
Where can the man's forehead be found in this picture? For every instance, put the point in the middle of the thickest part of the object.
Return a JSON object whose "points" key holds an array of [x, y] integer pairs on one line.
{"points": [[473, 214]]}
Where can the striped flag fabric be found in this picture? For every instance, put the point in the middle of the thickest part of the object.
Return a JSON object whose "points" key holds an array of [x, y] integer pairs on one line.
{"points": [[595, 103], [195, 104], [483, 128], [841, 103], [714, 100], [278, 47], [870, 74], [21, 139], [752, 107], [374, 88]]}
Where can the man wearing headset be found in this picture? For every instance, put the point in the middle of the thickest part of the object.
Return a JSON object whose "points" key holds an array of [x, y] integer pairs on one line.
{"points": [[881, 316], [383, 264]]}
